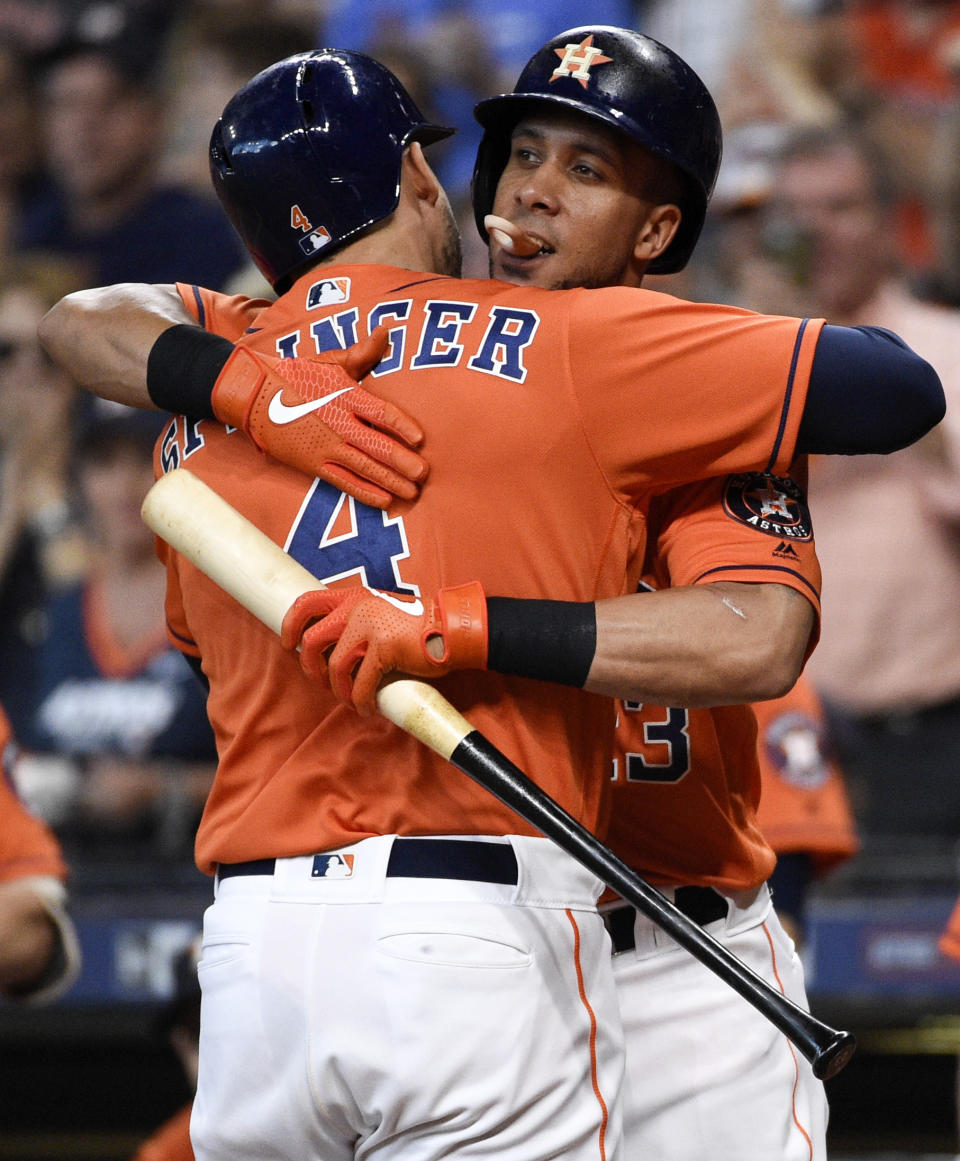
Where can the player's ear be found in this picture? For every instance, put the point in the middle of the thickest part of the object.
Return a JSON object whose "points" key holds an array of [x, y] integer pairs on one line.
{"points": [[657, 232], [418, 175]]}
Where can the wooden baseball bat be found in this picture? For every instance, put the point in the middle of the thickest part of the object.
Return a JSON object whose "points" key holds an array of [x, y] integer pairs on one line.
{"points": [[236, 555]]}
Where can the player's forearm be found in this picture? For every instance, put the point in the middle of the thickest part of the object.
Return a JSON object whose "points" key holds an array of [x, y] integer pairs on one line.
{"points": [[103, 337], [702, 645], [705, 645]]}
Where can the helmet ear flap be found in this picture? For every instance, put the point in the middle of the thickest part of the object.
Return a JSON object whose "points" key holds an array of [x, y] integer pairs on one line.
{"points": [[492, 156]]}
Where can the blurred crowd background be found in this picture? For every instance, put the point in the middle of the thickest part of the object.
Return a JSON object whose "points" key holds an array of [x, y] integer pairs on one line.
{"points": [[839, 196]]}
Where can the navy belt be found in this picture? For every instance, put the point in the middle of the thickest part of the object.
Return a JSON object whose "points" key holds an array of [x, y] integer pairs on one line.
{"points": [[423, 858], [701, 904]]}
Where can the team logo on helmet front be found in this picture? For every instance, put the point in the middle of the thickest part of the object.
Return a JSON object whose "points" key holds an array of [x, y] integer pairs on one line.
{"points": [[576, 60], [774, 505]]}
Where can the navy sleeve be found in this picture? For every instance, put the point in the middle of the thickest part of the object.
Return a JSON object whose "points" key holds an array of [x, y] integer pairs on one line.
{"points": [[869, 392]]}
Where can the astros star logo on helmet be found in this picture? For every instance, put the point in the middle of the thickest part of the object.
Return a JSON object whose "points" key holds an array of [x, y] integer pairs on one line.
{"points": [[576, 60]]}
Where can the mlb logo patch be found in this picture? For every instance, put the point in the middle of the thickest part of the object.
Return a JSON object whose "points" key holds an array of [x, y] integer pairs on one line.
{"points": [[328, 292], [332, 867], [315, 241]]}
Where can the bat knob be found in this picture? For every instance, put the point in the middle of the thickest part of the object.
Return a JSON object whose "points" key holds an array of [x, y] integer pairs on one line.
{"points": [[834, 1056]]}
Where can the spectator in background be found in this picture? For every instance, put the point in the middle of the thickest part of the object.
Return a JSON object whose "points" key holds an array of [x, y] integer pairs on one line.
{"points": [[894, 67], [179, 1029], [39, 952], [114, 698], [39, 548], [804, 811], [21, 158], [104, 122], [757, 53], [887, 527], [215, 48]]}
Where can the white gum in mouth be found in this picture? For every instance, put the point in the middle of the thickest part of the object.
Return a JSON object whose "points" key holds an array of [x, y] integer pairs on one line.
{"points": [[511, 237]]}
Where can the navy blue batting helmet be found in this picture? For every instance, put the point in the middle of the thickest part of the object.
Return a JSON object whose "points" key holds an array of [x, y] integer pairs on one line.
{"points": [[307, 154], [631, 82]]}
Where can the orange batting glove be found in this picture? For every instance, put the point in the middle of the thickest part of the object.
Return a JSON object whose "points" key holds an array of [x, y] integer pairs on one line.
{"points": [[312, 414], [375, 633]]}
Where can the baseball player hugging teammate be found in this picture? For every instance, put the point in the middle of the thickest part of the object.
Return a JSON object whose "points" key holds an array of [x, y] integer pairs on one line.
{"points": [[361, 1014]]}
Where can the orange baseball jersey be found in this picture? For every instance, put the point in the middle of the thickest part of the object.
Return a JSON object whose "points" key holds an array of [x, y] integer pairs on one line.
{"points": [[803, 801], [543, 460], [686, 782], [28, 846]]}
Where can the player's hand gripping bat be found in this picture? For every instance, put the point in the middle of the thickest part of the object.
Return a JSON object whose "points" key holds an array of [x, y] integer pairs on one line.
{"points": [[237, 556]]}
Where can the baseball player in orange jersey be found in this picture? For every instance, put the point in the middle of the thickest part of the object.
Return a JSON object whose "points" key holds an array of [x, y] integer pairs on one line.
{"points": [[300, 783], [797, 809], [193, 446], [805, 812], [685, 794], [685, 810], [39, 952], [311, 799], [686, 783]]}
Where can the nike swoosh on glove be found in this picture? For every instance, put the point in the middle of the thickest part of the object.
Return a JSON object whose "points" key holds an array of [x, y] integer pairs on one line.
{"points": [[312, 414], [375, 633]]}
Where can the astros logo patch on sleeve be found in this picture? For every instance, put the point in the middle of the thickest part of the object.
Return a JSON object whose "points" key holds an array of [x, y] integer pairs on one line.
{"points": [[774, 505]]}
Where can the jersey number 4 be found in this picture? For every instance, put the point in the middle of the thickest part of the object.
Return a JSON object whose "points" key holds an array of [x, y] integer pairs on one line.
{"points": [[335, 538]]}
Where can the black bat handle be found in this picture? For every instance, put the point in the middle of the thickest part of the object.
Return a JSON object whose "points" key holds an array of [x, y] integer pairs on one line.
{"points": [[827, 1049]]}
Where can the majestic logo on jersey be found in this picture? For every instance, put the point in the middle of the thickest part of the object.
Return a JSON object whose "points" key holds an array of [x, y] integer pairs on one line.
{"points": [[787, 552], [332, 866], [795, 747], [328, 292], [774, 505], [280, 413], [576, 60]]}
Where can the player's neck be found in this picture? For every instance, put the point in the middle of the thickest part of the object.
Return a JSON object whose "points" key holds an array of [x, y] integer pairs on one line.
{"points": [[387, 244]]}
